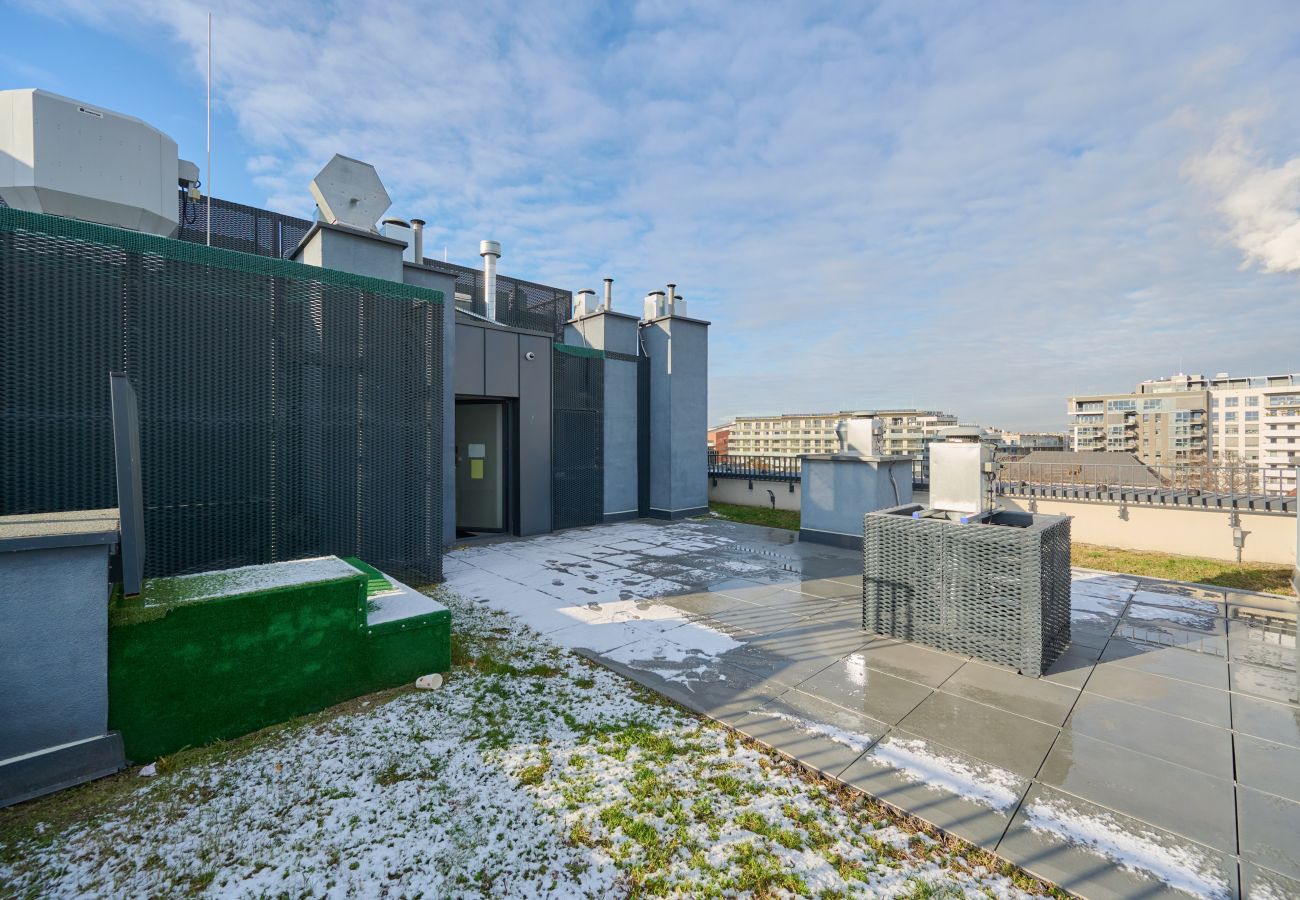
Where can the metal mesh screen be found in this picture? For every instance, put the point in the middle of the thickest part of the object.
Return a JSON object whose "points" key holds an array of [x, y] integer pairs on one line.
{"points": [[997, 592], [578, 436], [520, 304], [238, 227], [285, 411]]}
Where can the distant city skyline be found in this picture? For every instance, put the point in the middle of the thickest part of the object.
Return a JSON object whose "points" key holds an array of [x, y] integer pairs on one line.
{"points": [[984, 209]]}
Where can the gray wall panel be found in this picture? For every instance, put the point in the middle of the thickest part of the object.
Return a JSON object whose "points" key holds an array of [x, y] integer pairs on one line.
{"points": [[469, 360], [500, 363], [534, 435]]}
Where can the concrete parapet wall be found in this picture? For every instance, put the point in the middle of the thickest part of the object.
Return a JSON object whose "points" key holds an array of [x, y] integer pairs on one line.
{"points": [[739, 492], [1270, 537]]}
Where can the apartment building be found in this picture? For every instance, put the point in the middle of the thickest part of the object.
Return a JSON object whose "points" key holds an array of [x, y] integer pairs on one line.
{"points": [[1194, 419], [718, 437], [906, 432], [1030, 440]]}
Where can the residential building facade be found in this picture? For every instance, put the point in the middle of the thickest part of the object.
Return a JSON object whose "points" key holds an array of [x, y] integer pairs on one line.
{"points": [[1030, 440], [906, 432], [718, 437], [1191, 419]]}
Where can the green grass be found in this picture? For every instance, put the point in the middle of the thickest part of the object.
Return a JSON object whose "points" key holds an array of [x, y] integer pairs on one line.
{"points": [[1271, 579], [757, 515]]}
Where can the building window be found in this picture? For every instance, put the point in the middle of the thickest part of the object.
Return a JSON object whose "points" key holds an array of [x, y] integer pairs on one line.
{"points": [[1252, 400], [1229, 401], [1252, 415], [1230, 417]]}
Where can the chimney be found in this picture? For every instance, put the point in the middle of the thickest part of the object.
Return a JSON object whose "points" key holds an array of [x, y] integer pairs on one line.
{"points": [[670, 299], [491, 252], [417, 227], [584, 302], [654, 305], [609, 295]]}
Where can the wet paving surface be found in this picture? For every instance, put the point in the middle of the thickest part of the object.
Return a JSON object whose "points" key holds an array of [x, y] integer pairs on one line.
{"points": [[1160, 754]]}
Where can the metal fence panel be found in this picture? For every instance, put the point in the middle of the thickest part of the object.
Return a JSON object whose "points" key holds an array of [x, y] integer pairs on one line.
{"points": [[997, 592], [239, 227], [285, 411], [578, 437], [520, 304]]}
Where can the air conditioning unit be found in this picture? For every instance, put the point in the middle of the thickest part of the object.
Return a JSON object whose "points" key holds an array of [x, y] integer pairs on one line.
{"points": [[67, 158], [961, 472]]}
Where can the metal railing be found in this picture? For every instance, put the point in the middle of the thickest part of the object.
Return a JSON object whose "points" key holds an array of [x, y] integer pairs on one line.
{"points": [[765, 468], [1237, 486], [1265, 488]]}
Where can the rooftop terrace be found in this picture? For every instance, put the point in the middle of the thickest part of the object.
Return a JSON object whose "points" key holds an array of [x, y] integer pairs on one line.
{"points": [[1157, 756]]}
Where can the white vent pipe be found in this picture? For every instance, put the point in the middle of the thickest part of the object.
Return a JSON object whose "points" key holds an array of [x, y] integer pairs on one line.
{"points": [[417, 238], [609, 295], [491, 252]]}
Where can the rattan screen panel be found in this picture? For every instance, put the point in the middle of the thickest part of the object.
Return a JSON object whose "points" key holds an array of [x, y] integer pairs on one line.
{"points": [[996, 592]]}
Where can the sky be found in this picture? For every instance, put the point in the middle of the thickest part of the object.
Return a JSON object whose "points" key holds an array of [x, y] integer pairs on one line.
{"points": [[979, 207]]}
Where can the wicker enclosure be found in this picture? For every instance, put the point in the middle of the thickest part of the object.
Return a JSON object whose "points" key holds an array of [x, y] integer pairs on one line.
{"points": [[998, 591]]}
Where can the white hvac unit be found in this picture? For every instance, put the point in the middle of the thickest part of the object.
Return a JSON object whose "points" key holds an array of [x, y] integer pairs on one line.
{"points": [[861, 436], [66, 158], [961, 472]]}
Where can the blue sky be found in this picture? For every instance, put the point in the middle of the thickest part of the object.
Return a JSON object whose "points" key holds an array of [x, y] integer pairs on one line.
{"points": [[981, 207]]}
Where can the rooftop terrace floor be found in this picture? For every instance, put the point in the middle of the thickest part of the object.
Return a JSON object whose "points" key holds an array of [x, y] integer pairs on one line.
{"points": [[1160, 754]]}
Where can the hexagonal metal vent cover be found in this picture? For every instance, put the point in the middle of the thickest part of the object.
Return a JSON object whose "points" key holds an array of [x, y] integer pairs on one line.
{"points": [[349, 192]]}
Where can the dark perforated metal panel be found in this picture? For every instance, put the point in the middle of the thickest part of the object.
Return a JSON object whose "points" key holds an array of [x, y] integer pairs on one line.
{"points": [[997, 592], [578, 436], [285, 411], [520, 304], [238, 227]]}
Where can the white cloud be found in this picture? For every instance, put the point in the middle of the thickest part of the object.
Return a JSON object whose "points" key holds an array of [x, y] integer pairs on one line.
{"points": [[979, 208], [1260, 204]]}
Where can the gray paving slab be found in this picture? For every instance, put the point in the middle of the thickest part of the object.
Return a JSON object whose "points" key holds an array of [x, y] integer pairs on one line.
{"points": [[1267, 766], [1171, 738], [1279, 685], [757, 619], [830, 589], [1007, 690], [1090, 628], [1258, 883], [1003, 739], [949, 789], [912, 661], [1266, 719], [817, 733], [1181, 735], [1259, 653], [1167, 695], [788, 665], [1209, 669], [1072, 668], [1270, 830], [1177, 799], [1098, 853], [852, 685]]}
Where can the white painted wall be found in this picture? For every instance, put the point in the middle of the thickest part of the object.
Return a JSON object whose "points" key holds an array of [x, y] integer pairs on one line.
{"points": [[737, 490]]}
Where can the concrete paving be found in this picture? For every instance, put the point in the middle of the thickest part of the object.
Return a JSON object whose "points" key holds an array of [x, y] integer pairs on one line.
{"points": [[1159, 755]]}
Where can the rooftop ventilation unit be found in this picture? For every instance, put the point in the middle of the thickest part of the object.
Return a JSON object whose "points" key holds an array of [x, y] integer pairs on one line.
{"points": [[64, 158], [348, 192], [961, 473]]}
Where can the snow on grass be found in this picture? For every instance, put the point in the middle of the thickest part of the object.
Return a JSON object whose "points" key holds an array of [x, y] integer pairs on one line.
{"points": [[1180, 867], [979, 782], [531, 773]]}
